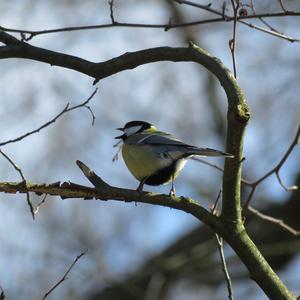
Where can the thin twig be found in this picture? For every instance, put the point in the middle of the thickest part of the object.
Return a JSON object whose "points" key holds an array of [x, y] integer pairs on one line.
{"points": [[111, 9], [224, 266], [273, 220], [92, 114], [167, 26], [269, 26], [32, 211], [219, 168], [119, 148], [2, 294], [221, 251], [275, 170], [243, 16], [282, 6], [64, 276], [232, 41], [37, 208], [252, 7], [274, 33], [65, 110], [213, 209], [208, 163], [286, 188]]}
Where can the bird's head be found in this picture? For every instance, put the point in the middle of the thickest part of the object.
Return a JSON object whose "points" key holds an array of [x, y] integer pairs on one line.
{"points": [[134, 127]]}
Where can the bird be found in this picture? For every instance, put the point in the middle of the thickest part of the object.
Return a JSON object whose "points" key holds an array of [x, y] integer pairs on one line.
{"points": [[155, 157]]}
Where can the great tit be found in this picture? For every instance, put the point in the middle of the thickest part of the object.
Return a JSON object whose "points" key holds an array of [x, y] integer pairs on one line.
{"points": [[155, 157]]}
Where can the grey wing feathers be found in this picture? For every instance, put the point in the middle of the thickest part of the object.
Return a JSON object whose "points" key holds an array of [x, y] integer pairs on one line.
{"points": [[159, 140], [172, 144], [209, 152]]}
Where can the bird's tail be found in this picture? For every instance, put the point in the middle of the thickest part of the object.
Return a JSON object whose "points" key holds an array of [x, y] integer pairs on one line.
{"points": [[209, 152]]}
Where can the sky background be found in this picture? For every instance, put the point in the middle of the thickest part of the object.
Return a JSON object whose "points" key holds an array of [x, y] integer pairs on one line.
{"points": [[121, 236]]}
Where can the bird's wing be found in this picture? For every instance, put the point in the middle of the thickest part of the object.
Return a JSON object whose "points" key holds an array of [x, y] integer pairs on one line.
{"points": [[160, 140], [168, 144]]}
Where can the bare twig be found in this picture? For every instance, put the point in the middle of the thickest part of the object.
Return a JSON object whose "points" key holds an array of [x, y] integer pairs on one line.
{"points": [[111, 9], [274, 33], [223, 18], [64, 276], [224, 266], [91, 112], [118, 145], [213, 209], [208, 163], [276, 170], [252, 7], [221, 251], [32, 211], [253, 185], [268, 25], [286, 188], [65, 110], [240, 18], [219, 168], [2, 294], [273, 220], [37, 208], [232, 42], [282, 6]]}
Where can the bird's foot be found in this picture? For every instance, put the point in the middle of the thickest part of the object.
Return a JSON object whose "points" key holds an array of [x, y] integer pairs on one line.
{"points": [[140, 188], [141, 185], [172, 192]]}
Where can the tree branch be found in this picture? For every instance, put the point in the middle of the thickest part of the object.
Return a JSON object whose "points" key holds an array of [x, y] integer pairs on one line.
{"points": [[273, 220], [105, 192], [275, 170], [32, 210], [66, 109], [64, 276], [27, 34]]}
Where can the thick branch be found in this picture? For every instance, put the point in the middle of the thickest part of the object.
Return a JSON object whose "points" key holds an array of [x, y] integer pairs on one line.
{"points": [[106, 192]]}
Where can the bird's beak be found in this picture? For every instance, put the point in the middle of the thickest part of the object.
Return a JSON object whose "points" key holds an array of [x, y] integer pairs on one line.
{"points": [[120, 136]]}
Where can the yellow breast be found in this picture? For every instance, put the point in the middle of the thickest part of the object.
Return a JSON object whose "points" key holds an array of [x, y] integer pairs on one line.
{"points": [[141, 161]]}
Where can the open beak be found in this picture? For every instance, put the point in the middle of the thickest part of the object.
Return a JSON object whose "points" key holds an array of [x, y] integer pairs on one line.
{"points": [[120, 136]]}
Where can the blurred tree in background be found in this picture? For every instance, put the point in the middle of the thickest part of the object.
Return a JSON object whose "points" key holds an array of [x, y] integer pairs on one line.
{"points": [[144, 251]]}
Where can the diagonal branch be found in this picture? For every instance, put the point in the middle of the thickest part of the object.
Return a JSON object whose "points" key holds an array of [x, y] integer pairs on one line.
{"points": [[273, 220], [65, 275], [32, 210], [66, 109], [242, 16], [275, 170]]}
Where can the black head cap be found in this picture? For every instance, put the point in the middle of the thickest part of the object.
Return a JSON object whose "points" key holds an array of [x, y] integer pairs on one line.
{"points": [[140, 125], [144, 125]]}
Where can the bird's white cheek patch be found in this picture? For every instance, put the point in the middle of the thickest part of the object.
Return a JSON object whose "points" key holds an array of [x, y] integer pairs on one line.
{"points": [[132, 130]]}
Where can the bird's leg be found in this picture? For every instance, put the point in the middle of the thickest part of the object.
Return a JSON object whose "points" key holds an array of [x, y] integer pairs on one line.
{"points": [[141, 185], [172, 190]]}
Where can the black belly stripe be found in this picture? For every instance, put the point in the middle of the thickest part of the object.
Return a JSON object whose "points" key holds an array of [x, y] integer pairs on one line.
{"points": [[163, 175]]}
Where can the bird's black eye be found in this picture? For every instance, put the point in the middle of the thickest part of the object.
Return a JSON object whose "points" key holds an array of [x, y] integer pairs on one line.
{"points": [[165, 155]]}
